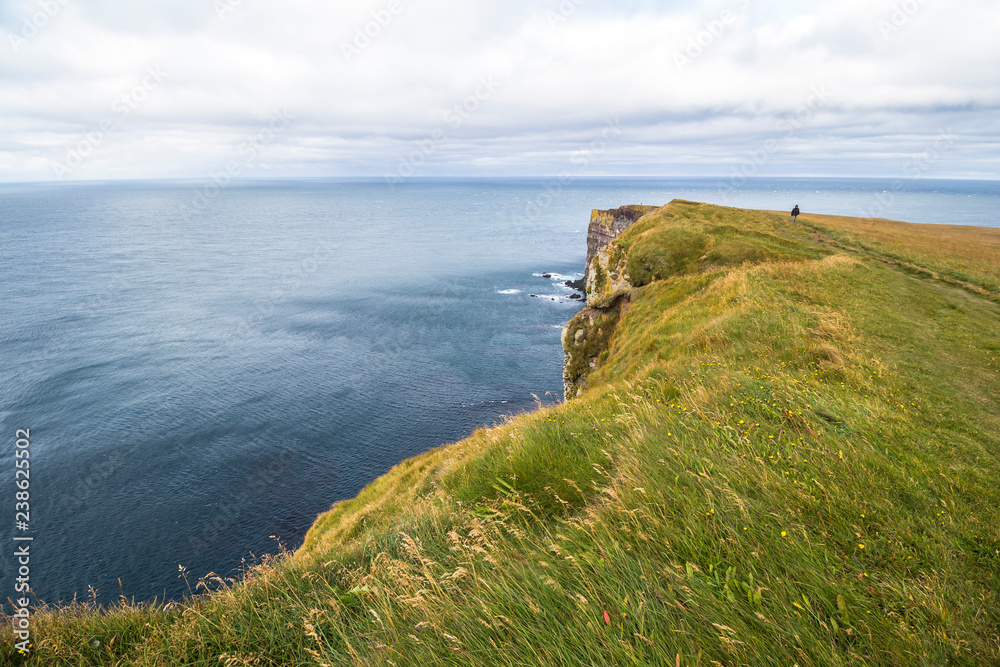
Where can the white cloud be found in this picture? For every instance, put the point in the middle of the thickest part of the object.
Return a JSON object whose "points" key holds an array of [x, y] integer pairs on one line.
{"points": [[891, 90]]}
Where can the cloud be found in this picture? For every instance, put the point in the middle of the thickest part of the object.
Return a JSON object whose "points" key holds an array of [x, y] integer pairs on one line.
{"points": [[695, 86]]}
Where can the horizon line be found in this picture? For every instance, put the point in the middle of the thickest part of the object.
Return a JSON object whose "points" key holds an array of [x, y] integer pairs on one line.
{"points": [[541, 178]]}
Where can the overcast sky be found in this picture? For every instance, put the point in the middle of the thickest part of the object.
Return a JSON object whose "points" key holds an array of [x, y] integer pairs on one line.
{"points": [[105, 89]]}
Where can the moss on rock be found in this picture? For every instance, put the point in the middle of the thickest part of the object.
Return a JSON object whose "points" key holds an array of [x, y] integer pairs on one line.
{"points": [[585, 339]]}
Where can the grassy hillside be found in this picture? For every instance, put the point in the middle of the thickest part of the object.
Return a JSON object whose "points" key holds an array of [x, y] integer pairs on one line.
{"points": [[788, 453]]}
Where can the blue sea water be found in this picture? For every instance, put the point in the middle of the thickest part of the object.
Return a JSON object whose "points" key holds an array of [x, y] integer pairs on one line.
{"points": [[201, 375]]}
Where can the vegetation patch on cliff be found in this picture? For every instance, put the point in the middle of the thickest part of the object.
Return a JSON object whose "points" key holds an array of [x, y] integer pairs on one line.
{"points": [[685, 238], [789, 454], [585, 341]]}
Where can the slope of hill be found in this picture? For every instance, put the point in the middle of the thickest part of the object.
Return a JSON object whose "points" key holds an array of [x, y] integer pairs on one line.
{"points": [[783, 448]]}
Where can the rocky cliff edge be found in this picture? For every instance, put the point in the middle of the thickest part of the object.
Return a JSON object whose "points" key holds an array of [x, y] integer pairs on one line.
{"points": [[586, 336]]}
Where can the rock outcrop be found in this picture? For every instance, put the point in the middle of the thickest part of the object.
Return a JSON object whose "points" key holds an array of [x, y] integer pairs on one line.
{"points": [[608, 277], [606, 225], [586, 337]]}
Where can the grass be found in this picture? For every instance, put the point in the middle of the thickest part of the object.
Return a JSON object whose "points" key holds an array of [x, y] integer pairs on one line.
{"points": [[965, 256], [787, 455]]}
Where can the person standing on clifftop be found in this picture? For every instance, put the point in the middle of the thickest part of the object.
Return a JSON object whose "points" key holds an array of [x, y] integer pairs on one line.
{"points": [[795, 212]]}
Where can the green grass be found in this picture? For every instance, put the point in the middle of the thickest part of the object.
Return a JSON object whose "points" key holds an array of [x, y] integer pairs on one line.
{"points": [[787, 455]]}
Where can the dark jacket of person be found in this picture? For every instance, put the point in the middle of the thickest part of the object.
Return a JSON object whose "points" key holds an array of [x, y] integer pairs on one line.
{"points": [[795, 211]]}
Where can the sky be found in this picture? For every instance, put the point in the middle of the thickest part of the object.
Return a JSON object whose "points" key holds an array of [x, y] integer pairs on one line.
{"points": [[395, 89]]}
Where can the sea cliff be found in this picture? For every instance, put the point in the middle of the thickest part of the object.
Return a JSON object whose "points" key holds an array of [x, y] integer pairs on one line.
{"points": [[781, 447], [605, 226], [606, 285]]}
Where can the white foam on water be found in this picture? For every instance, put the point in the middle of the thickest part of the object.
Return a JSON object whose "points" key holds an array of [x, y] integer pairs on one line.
{"points": [[558, 298]]}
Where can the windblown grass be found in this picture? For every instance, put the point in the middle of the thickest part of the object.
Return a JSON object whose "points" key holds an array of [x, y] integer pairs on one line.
{"points": [[787, 460], [967, 256]]}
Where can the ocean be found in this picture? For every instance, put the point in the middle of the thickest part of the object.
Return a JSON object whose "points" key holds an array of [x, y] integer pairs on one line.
{"points": [[203, 370]]}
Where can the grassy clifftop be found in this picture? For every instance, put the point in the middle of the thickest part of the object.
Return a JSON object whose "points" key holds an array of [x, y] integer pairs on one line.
{"points": [[785, 451]]}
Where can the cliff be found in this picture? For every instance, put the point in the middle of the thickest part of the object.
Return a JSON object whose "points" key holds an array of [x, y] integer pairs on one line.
{"points": [[607, 285], [781, 447], [633, 246], [606, 225]]}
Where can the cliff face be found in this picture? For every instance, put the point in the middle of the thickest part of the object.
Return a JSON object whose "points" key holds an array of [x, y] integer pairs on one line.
{"points": [[606, 225], [585, 338]]}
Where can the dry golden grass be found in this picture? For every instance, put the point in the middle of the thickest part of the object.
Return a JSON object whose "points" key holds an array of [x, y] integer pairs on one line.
{"points": [[964, 255]]}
